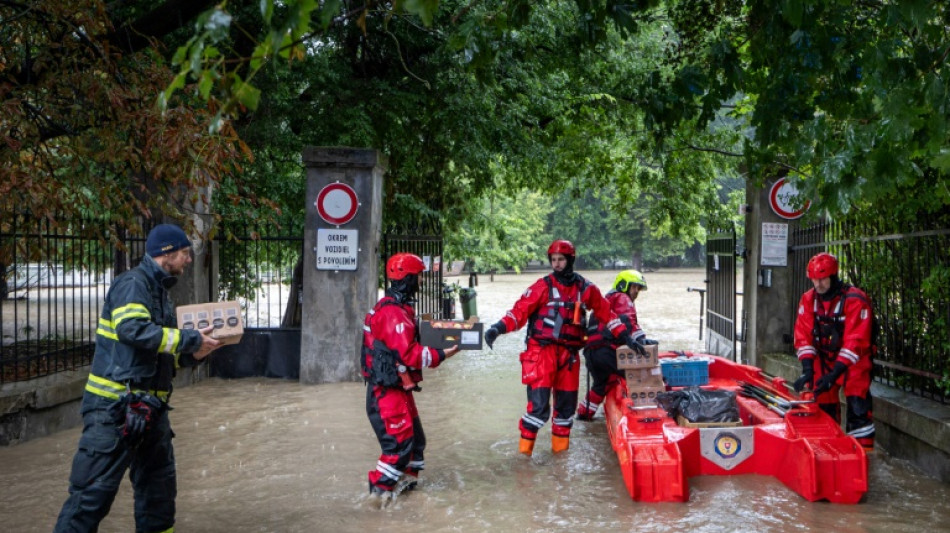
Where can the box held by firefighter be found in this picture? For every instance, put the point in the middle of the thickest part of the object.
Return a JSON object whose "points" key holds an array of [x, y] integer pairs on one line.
{"points": [[627, 358], [447, 333], [226, 318]]}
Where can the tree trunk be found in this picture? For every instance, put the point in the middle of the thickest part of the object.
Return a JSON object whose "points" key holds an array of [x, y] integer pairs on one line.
{"points": [[294, 310]]}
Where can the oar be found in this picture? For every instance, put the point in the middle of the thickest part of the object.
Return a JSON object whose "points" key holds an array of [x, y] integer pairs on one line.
{"points": [[764, 394], [778, 400], [763, 401]]}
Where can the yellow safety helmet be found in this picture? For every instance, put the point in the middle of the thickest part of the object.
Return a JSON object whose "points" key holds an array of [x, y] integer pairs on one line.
{"points": [[627, 278]]}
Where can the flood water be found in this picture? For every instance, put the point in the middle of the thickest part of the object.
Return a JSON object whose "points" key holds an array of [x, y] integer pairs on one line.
{"points": [[266, 455]]}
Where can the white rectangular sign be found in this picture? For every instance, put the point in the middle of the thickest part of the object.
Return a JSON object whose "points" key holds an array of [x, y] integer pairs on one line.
{"points": [[337, 249], [774, 244]]}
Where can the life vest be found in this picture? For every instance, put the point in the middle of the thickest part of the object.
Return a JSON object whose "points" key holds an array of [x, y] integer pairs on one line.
{"points": [[554, 322], [828, 329], [381, 365]]}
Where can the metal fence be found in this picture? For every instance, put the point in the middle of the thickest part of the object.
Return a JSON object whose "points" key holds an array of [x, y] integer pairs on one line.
{"points": [[906, 274], [429, 248], [257, 266], [54, 279], [721, 287]]}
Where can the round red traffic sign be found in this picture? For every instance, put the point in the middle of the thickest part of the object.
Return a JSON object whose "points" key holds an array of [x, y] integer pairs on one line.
{"points": [[782, 199], [337, 203]]}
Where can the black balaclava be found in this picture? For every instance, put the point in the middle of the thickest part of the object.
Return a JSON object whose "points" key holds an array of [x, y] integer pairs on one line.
{"points": [[566, 276], [836, 286], [404, 290]]}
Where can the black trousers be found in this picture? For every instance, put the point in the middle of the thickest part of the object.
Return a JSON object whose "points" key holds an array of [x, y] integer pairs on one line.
{"points": [[100, 464]]}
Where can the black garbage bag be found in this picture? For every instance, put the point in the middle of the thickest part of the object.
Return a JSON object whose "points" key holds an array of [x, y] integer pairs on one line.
{"points": [[700, 405]]}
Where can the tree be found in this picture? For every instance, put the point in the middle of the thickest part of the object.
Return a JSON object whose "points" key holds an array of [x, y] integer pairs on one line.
{"points": [[80, 134], [848, 96], [506, 233], [460, 109]]}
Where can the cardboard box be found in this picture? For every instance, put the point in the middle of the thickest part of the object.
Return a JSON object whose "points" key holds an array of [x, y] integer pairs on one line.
{"points": [[627, 358], [447, 333], [226, 317], [637, 377], [643, 396]]}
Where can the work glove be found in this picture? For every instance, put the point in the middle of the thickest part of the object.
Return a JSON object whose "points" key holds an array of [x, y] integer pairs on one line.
{"points": [[825, 382], [634, 345], [808, 374], [649, 342], [141, 410], [494, 331]]}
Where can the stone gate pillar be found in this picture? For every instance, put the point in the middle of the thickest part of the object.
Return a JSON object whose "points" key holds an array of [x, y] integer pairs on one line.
{"points": [[767, 286], [341, 243]]}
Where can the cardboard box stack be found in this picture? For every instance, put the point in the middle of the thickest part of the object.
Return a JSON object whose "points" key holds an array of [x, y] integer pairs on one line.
{"points": [[224, 316], [447, 333], [643, 374]]}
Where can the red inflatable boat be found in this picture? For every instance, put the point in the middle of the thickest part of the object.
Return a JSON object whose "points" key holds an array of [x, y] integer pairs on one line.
{"points": [[777, 435]]}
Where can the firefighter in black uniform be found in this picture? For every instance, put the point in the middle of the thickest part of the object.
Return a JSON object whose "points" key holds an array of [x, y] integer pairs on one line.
{"points": [[125, 404]]}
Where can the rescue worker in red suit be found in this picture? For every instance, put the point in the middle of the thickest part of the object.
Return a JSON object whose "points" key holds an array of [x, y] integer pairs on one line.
{"points": [[833, 341], [554, 309], [600, 352], [392, 361]]}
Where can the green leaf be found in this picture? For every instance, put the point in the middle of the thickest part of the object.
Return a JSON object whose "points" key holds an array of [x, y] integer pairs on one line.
{"points": [[330, 9], [247, 94], [267, 10], [792, 11], [424, 9], [941, 161], [206, 83]]}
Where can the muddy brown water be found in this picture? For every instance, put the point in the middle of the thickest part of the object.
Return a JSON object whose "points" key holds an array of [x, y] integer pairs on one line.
{"points": [[266, 455]]}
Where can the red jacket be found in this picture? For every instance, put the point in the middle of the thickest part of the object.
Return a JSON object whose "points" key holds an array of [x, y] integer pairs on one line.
{"points": [[626, 311], [536, 303], [394, 324], [840, 328]]}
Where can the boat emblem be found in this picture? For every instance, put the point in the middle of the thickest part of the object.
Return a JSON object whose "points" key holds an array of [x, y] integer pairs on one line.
{"points": [[727, 447]]}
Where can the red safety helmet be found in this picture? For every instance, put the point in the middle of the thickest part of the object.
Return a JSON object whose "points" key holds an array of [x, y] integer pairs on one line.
{"points": [[402, 264], [822, 266], [561, 247]]}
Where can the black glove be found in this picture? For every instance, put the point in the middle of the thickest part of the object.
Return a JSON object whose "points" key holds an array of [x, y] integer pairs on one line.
{"points": [[825, 382], [494, 331], [634, 345], [649, 342], [808, 374], [141, 410]]}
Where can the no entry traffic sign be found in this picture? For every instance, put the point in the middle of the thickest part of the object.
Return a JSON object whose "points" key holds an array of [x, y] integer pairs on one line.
{"points": [[337, 203], [782, 198]]}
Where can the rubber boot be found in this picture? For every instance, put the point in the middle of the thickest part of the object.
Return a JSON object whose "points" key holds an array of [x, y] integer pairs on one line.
{"points": [[560, 444], [526, 446]]}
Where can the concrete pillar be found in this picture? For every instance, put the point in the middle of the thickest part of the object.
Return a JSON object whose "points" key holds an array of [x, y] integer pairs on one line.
{"points": [[768, 322], [341, 259]]}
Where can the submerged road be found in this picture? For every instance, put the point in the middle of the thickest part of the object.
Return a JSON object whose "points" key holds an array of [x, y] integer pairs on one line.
{"points": [[266, 455]]}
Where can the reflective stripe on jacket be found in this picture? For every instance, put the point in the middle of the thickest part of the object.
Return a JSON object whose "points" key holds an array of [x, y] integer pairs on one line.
{"points": [[137, 341]]}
